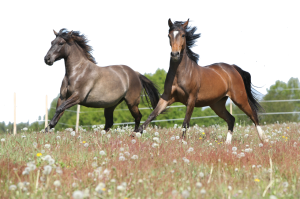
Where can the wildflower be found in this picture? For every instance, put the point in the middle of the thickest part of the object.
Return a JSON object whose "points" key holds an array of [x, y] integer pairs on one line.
{"points": [[121, 149], [198, 184], [177, 137], [83, 142], [285, 184], [134, 157], [101, 126], [241, 155], [191, 149], [186, 160], [86, 144], [2, 140], [220, 136], [234, 148], [172, 138], [58, 137], [201, 175], [94, 164], [77, 194], [73, 133], [23, 136], [122, 158], [174, 192], [154, 145], [74, 184], [127, 153], [51, 161], [203, 191], [25, 129], [260, 145], [121, 188], [246, 135], [39, 154], [47, 170], [34, 144], [140, 181], [174, 161], [156, 139], [257, 180], [12, 187], [200, 138], [229, 188], [236, 169], [210, 144], [240, 191], [102, 153], [138, 135], [47, 146], [144, 131], [108, 136], [273, 197], [103, 132], [184, 142], [59, 170], [185, 194], [133, 141], [100, 187], [156, 134], [57, 183]]}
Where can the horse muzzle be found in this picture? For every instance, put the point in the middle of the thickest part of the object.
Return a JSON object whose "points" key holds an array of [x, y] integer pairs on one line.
{"points": [[175, 56], [48, 60]]}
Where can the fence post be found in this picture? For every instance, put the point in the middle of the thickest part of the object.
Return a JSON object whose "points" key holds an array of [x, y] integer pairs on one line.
{"points": [[46, 115], [230, 106], [15, 114], [77, 118]]}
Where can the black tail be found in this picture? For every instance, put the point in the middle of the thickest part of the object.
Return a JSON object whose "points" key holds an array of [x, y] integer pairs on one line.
{"points": [[151, 91], [251, 92]]}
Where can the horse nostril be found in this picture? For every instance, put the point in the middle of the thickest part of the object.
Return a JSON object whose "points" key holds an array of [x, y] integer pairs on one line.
{"points": [[174, 54]]}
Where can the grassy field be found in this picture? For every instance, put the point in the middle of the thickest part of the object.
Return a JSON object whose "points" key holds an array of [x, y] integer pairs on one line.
{"points": [[157, 164]]}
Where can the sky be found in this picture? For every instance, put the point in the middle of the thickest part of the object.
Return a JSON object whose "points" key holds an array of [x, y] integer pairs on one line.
{"points": [[261, 37]]}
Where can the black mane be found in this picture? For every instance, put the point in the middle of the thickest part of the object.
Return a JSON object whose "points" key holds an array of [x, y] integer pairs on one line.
{"points": [[190, 38], [81, 40]]}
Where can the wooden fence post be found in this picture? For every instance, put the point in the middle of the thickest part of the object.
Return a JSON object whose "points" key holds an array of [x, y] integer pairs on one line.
{"points": [[15, 114], [46, 115], [77, 118]]}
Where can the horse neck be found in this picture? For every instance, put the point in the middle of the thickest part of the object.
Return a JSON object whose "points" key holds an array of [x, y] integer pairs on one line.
{"points": [[181, 66], [76, 60]]}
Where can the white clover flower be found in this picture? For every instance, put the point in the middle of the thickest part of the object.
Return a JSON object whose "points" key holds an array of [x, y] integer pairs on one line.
{"points": [[220, 136], [203, 191], [57, 183], [198, 184], [185, 194], [47, 169], [12, 187], [201, 174], [25, 172], [156, 139], [102, 152], [260, 145], [273, 197], [73, 133], [285, 184], [94, 164], [210, 144], [94, 126], [2, 140], [173, 138], [103, 132], [51, 161], [127, 153], [177, 137], [241, 155], [247, 150], [186, 160], [236, 169], [246, 135], [144, 131], [121, 188], [191, 149], [99, 187], [229, 188], [122, 158], [113, 180], [121, 149], [101, 126], [46, 158], [108, 136], [74, 184], [58, 137], [77, 194], [134, 157], [253, 166], [234, 148], [133, 141], [175, 126], [121, 154], [174, 161], [138, 135], [240, 191], [86, 144], [47, 146], [154, 145], [234, 152], [156, 134]]}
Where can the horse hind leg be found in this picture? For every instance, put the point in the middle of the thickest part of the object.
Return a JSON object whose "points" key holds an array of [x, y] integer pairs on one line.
{"points": [[135, 112], [243, 104], [109, 117], [220, 109]]}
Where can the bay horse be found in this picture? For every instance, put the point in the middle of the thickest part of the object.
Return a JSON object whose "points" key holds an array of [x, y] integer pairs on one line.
{"points": [[197, 86], [89, 85]]}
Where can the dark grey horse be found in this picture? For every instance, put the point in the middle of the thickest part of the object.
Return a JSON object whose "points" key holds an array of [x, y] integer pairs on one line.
{"points": [[89, 85]]}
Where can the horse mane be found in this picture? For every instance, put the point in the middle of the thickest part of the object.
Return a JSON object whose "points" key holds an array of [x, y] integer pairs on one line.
{"points": [[191, 38], [81, 40]]}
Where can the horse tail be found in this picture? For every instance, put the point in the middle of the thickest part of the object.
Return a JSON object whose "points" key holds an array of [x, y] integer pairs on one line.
{"points": [[252, 94], [150, 91]]}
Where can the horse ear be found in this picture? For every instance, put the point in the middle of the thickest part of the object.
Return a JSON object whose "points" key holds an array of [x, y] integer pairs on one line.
{"points": [[170, 23], [70, 33], [185, 24], [55, 33]]}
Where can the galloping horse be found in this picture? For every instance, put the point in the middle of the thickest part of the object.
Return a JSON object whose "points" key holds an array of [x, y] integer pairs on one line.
{"points": [[89, 85], [197, 86]]}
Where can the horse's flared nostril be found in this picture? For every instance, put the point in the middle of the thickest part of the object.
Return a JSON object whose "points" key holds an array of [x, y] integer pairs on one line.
{"points": [[174, 54]]}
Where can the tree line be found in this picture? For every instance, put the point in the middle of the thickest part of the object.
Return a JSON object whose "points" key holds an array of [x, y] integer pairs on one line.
{"points": [[90, 116]]}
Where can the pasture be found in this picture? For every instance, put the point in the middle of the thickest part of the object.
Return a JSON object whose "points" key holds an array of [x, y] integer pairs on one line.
{"points": [[157, 164]]}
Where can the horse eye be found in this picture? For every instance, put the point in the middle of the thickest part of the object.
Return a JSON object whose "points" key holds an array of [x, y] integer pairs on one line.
{"points": [[61, 44], [183, 35]]}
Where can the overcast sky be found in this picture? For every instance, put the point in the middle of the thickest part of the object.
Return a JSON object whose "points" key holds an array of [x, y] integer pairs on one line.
{"points": [[262, 37]]}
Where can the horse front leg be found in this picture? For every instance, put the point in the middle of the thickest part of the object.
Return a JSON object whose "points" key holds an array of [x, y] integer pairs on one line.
{"points": [[161, 106], [71, 101], [189, 111]]}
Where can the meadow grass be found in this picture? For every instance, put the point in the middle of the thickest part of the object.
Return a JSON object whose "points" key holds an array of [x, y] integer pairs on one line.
{"points": [[157, 164]]}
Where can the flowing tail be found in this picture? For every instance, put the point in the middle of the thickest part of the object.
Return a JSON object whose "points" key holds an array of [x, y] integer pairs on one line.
{"points": [[150, 90], [251, 92]]}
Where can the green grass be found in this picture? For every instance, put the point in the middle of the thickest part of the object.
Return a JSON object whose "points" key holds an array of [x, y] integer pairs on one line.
{"points": [[200, 167]]}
